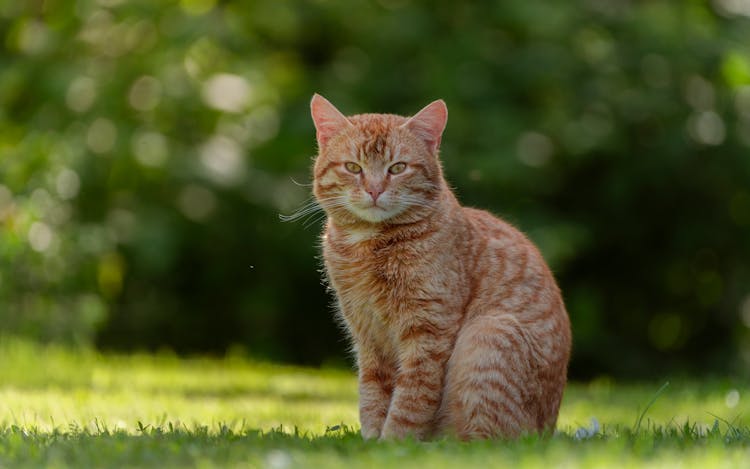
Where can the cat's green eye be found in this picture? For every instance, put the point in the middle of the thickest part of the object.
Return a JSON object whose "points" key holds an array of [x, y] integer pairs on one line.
{"points": [[397, 168], [353, 167]]}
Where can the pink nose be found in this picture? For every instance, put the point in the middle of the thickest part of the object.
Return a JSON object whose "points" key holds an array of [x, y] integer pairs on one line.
{"points": [[374, 193]]}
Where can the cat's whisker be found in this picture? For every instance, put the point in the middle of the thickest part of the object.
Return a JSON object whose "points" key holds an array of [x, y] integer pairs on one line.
{"points": [[313, 207], [413, 201], [301, 184], [300, 213], [314, 220], [333, 203]]}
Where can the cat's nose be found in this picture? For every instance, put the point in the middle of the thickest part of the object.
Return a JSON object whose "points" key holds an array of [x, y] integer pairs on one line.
{"points": [[374, 193]]}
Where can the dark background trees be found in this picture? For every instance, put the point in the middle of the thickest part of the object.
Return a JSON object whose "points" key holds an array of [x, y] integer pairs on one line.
{"points": [[147, 149]]}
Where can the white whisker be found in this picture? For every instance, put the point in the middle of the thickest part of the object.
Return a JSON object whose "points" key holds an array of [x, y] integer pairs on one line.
{"points": [[301, 184], [312, 207]]}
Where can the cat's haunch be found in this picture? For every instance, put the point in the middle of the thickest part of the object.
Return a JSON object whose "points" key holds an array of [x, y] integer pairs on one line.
{"points": [[456, 321]]}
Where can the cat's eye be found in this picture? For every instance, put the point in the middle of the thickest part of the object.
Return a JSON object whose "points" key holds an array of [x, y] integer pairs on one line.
{"points": [[353, 167], [397, 168]]}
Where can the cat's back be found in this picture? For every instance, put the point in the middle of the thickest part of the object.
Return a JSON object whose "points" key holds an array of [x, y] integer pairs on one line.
{"points": [[511, 275], [489, 227], [499, 237]]}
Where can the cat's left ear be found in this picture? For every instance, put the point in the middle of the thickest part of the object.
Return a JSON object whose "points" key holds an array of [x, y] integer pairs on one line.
{"points": [[429, 123], [328, 120]]}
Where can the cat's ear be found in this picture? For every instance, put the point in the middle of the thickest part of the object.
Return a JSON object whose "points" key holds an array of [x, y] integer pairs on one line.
{"points": [[429, 123], [328, 120]]}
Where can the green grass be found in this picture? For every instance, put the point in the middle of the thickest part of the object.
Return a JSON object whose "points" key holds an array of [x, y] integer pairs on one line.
{"points": [[63, 408]]}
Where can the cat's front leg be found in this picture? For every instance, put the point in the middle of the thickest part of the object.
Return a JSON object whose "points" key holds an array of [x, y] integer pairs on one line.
{"points": [[419, 383], [375, 390]]}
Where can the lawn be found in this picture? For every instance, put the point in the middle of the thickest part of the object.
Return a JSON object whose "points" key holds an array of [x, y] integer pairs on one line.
{"points": [[64, 408]]}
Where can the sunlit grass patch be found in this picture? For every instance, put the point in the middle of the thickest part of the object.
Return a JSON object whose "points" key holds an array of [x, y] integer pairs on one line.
{"points": [[118, 391], [67, 408]]}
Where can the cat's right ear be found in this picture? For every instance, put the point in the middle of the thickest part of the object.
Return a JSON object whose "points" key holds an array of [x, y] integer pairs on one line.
{"points": [[329, 122], [429, 123]]}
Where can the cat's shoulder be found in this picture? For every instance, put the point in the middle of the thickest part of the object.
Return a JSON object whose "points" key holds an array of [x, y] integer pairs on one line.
{"points": [[491, 226]]}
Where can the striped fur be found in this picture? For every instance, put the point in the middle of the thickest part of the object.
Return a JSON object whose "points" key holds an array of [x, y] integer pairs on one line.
{"points": [[457, 323]]}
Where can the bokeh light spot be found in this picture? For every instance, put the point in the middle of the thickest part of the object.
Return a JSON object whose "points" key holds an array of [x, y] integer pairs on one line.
{"points": [[222, 160], [732, 7], [142, 36], [196, 203], [122, 224], [81, 94], [42, 200], [262, 124], [534, 149], [226, 92], [101, 136], [145, 93], [594, 44], [33, 37], [732, 398], [94, 239], [92, 308], [197, 7], [707, 128], [67, 184], [665, 330], [60, 214], [700, 93], [110, 274], [736, 69], [40, 236], [176, 76], [150, 148]]}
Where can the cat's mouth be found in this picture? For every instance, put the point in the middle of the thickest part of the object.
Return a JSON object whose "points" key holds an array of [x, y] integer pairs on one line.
{"points": [[372, 205], [373, 212]]}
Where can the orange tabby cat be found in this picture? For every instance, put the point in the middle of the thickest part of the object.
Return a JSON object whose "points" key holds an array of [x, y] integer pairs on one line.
{"points": [[456, 321]]}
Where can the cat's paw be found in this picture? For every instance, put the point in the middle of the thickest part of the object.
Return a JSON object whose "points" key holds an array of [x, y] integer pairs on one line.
{"points": [[393, 432], [370, 433]]}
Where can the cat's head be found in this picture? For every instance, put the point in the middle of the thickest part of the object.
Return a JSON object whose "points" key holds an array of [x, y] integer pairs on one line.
{"points": [[377, 168]]}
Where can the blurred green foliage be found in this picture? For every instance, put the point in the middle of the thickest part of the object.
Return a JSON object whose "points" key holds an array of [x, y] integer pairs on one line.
{"points": [[147, 149]]}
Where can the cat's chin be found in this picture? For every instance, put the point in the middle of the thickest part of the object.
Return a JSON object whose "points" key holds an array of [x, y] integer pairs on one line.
{"points": [[374, 214]]}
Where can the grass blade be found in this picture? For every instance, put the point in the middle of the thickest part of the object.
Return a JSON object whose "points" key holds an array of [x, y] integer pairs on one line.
{"points": [[648, 406]]}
